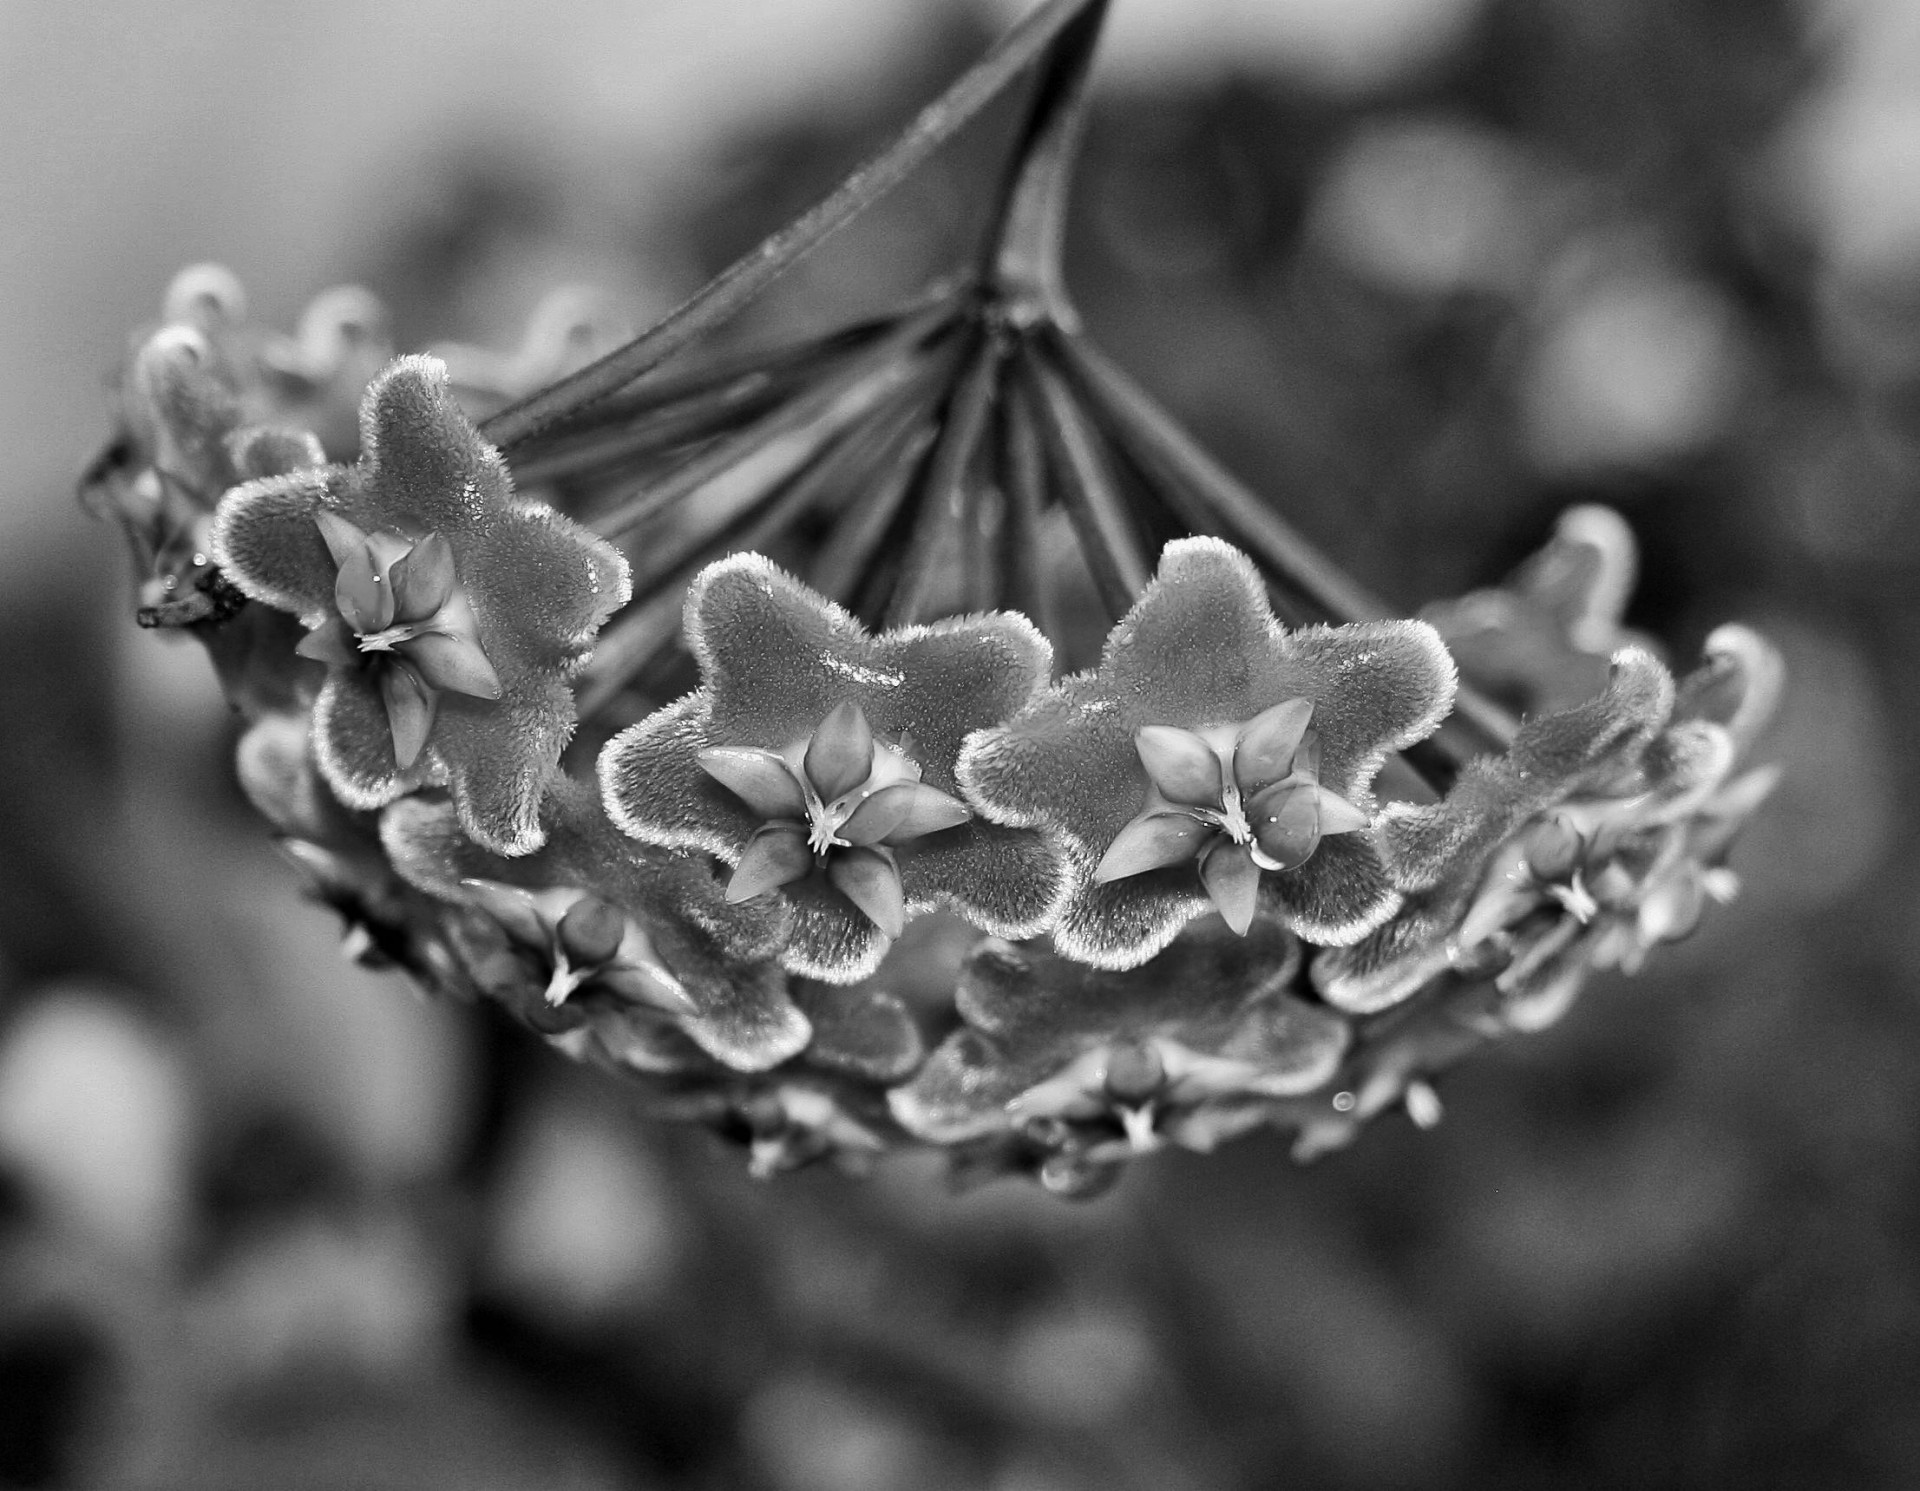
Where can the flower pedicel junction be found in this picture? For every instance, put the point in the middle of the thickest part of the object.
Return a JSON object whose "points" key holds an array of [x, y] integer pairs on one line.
{"points": [[708, 716]]}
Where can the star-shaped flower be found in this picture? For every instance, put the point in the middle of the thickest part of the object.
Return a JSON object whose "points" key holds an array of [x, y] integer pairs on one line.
{"points": [[1201, 691], [583, 940], [635, 946], [450, 615], [403, 617], [837, 802], [1110, 1063], [819, 762], [1238, 799]]}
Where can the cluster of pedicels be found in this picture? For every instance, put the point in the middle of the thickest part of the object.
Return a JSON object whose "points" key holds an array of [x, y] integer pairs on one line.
{"points": [[857, 890]]}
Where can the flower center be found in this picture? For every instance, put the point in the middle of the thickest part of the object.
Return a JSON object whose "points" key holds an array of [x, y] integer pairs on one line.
{"points": [[1231, 817], [823, 827], [825, 819], [390, 638]]}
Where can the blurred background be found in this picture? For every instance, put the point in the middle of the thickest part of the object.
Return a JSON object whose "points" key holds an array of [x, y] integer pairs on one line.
{"points": [[1424, 271]]}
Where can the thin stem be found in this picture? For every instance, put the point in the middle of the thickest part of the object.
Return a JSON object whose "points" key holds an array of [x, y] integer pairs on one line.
{"points": [[981, 522], [661, 412], [1029, 223], [844, 560], [942, 499], [789, 434], [1172, 502], [1168, 504], [1115, 556], [1024, 479], [626, 647], [626, 430], [1161, 445], [746, 277], [632, 642], [599, 453], [845, 464]]}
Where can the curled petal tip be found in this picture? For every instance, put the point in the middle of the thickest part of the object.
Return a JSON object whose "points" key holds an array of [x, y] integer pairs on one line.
{"points": [[879, 815]]}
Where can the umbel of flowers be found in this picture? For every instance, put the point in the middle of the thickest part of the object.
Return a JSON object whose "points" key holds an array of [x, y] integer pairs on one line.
{"points": [[845, 883], [859, 888]]}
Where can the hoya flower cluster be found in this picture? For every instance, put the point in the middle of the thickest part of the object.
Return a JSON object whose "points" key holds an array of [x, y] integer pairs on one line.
{"points": [[844, 886]]}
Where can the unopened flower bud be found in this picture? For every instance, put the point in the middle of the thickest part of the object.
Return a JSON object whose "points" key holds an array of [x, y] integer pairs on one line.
{"points": [[1553, 849], [1134, 1073]]}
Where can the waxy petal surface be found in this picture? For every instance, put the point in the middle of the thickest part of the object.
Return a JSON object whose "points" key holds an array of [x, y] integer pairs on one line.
{"points": [[422, 579], [1263, 754], [760, 779], [452, 663], [1151, 842], [1232, 879], [840, 753], [775, 856], [869, 879], [410, 710], [1182, 765]]}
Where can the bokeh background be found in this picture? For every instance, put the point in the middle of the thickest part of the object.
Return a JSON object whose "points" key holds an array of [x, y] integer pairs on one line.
{"points": [[1424, 271]]}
